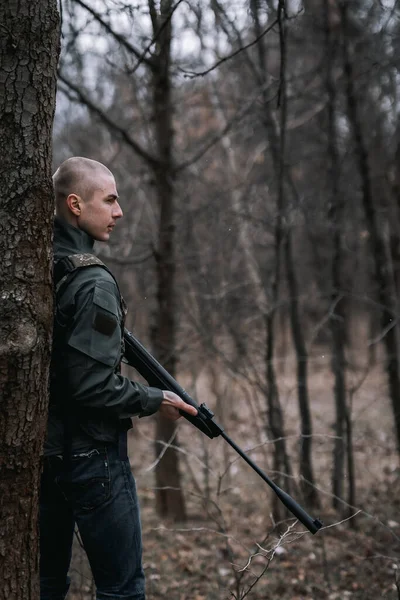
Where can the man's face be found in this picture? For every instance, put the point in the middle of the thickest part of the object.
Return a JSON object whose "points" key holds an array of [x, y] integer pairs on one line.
{"points": [[101, 211]]}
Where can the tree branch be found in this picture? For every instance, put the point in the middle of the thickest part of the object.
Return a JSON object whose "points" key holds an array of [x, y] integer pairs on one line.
{"points": [[114, 34], [119, 131], [157, 33]]}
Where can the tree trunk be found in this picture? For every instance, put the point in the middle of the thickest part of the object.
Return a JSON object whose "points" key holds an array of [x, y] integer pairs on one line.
{"points": [[394, 228], [382, 275], [277, 143], [306, 468], [337, 319], [29, 46], [281, 461], [169, 496]]}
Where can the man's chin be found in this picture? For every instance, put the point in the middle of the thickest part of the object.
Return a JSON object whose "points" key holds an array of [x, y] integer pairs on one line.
{"points": [[102, 237]]}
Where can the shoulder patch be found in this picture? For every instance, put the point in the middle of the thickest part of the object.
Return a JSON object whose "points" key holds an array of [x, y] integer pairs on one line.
{"points": [[105, 324], [106, 315]]}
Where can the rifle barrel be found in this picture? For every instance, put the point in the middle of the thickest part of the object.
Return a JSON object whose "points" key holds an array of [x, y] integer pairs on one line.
{"points": [[313, 525]]}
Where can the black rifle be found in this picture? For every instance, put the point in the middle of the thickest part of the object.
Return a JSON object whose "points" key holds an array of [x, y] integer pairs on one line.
{"points": [[138, 357]]}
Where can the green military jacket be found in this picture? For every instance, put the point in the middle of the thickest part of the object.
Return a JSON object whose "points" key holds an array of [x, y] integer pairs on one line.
{"points": [[87, 388]]}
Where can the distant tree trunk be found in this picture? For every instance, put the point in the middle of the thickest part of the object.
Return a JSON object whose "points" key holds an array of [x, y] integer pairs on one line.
{"points": [[277, 149], [337, 320], [169, 496], [382, 275], [276, 426], [281, 461], [351, 492], [29, 47], [306, 468], [395, 235]]}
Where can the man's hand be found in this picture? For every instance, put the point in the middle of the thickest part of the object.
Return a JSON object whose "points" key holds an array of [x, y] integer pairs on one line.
{"points": [[172, 404]]}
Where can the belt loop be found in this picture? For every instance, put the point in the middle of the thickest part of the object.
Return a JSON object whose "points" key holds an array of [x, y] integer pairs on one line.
{"points": [[123, 445]]}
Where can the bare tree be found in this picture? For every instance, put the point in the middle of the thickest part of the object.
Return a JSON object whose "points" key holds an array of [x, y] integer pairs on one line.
{"points": [[387, 294], [277, 139], [170, 499], [335, 216], [29, 46]]}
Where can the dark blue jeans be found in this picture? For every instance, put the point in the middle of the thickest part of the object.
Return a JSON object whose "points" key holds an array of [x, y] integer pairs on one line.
{"points": [[98, 493]]}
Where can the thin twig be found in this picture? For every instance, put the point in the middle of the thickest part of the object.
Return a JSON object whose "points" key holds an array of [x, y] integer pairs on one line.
{"points": [[193, 74]]}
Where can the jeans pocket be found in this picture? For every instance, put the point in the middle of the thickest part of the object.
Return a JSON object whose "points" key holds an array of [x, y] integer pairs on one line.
{"points": [[88, 486]]}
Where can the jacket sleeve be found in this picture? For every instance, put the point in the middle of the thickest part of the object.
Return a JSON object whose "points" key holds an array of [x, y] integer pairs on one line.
{"points": [[92, 354]]}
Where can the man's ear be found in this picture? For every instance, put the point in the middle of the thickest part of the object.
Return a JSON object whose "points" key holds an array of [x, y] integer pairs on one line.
{"points": [[73, 203]]}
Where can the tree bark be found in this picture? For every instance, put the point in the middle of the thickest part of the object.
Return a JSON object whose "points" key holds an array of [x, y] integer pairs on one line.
{"points": [[29, 47]]}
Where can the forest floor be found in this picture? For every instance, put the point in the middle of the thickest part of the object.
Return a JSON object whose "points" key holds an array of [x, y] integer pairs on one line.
{"points": [[229, 548]]}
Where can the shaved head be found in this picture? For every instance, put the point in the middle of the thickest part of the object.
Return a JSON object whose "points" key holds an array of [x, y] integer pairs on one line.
{"points": [[87, 197], [80, 176]]}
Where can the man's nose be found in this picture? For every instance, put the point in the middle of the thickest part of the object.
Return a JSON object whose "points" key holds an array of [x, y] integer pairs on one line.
{"points": [[117, 212]]}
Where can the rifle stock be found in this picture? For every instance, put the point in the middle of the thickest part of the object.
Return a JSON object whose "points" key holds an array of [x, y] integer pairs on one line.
{"points": [[138, 357]]}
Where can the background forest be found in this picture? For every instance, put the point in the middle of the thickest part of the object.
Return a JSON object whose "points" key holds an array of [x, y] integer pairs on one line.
{"points": [[256, 148]]}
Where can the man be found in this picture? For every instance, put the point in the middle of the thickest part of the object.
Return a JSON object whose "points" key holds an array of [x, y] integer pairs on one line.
{"points": [[86, 476]]}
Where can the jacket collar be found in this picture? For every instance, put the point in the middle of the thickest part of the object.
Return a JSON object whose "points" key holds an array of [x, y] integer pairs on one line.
{"points": [[70, 240]]}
